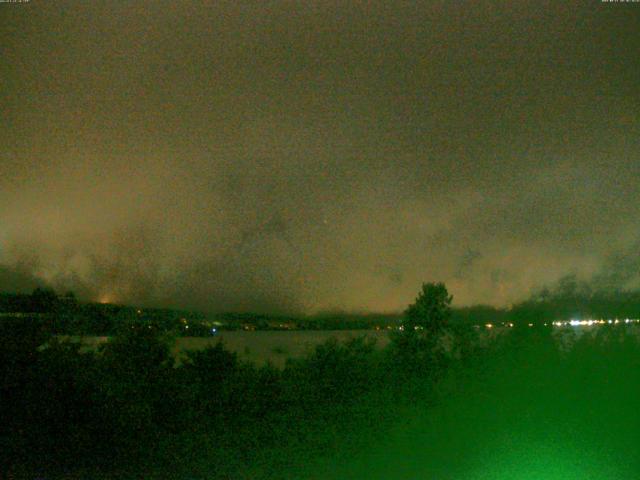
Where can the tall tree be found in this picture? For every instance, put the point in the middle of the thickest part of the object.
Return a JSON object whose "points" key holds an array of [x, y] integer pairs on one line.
{"points": [[431, 310]]}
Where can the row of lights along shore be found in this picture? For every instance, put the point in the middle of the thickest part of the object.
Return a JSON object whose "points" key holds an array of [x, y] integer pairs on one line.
{"points": [[575, 323]]}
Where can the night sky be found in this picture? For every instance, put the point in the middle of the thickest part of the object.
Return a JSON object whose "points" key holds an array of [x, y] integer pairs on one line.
{"points": [[299, 156]]}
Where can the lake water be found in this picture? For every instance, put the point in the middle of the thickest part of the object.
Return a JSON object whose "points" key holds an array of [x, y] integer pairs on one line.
{"points": [[257, 346], [276, 346]]}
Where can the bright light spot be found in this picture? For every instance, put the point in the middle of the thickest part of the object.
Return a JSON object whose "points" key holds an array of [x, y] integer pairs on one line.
{"points": [[591, 322], [488, 325]]}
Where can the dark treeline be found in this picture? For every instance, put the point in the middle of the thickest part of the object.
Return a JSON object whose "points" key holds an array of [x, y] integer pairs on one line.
{"points": [[129, 411], [571, 298], [65, 315], [71, 317], [568, 299], [320, 321]]}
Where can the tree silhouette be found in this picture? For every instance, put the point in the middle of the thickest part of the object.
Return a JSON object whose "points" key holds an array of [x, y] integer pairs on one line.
{"points": [[431, 310], [418, 347], [44, 300]]}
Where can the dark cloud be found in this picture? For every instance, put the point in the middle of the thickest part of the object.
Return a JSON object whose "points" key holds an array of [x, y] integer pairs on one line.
{"points": [[466, 262], [16, 279], [316, 155]]}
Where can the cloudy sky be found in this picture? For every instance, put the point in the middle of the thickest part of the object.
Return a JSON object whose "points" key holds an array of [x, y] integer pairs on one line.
{"points": [[316, 155]]}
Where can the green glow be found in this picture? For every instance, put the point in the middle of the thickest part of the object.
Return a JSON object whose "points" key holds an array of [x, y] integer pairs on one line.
{"points": [[541, 463], [528, 413]]}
